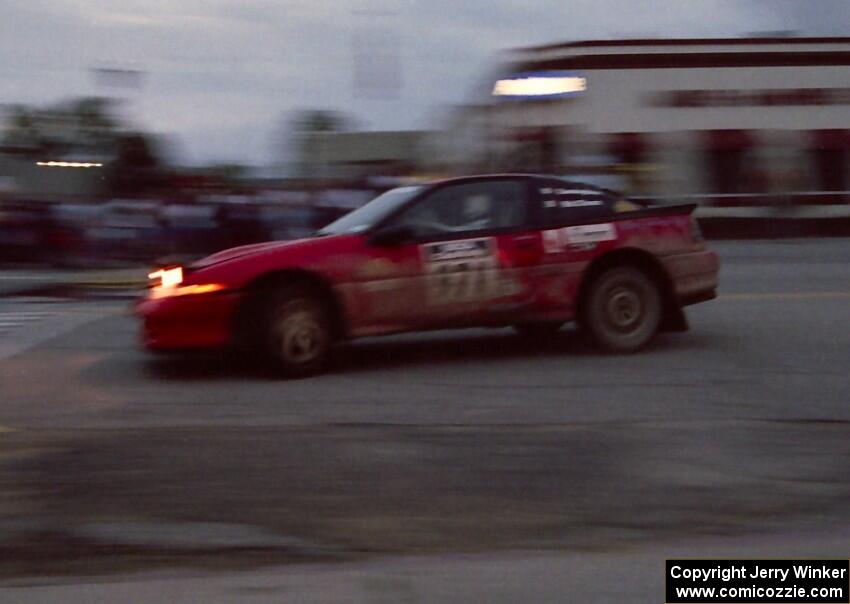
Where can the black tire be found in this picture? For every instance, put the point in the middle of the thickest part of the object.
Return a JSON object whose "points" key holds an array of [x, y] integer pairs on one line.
{"points": [[622, 310], [538, 330], [296, 334]]}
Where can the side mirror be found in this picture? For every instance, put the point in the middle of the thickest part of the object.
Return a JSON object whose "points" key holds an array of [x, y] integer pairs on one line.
{"points": [[394, 234]]}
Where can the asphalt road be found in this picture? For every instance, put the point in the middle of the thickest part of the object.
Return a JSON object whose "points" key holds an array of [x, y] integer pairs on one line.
{"points": [[447, 442]]}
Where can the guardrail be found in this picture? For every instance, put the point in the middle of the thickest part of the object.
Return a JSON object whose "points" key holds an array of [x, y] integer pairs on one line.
{"points": [[776, 199]]}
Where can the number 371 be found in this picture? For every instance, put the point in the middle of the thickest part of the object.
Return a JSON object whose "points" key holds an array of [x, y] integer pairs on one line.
{"points": [[462, 281]]}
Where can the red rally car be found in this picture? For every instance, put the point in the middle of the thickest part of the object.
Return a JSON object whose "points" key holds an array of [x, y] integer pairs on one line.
{"points": [[532, 252]]}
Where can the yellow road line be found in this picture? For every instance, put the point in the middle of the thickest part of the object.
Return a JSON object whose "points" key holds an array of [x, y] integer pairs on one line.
{"points": [[788, 296], [6, 430]]}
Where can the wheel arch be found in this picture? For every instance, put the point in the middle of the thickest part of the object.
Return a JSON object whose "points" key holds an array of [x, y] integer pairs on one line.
{"points": [[247, 311], [672, 318]]}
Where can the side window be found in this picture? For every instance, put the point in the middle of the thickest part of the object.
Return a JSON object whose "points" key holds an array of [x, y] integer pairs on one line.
{"points": [[476, 206], [563, 203]]}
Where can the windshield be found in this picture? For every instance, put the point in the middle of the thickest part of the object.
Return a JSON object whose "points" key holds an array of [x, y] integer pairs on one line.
{"points": [[364, 217]]}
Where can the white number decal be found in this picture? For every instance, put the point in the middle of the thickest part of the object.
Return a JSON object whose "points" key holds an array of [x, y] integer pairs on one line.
{"points": [[461, 271]]}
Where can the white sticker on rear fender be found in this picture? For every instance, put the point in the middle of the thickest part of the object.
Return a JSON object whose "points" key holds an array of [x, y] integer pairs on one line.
{"points": [[589, 233], [552, 241]]}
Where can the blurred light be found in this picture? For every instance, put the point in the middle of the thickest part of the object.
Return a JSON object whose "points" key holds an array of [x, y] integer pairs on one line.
{"points": [[543, 84], [206, 288], [69, 164], [169, 277], [186, 290]]}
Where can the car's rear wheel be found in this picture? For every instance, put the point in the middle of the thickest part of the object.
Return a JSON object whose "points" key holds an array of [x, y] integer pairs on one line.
{"points": [[297, 332], [622, 310]]}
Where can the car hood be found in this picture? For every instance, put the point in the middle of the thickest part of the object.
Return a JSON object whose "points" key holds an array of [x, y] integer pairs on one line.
{"points": [[244, 250], [312, 246]]}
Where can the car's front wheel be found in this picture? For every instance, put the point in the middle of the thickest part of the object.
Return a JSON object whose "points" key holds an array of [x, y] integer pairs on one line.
{"points": [[622, 310], [297, 332]]}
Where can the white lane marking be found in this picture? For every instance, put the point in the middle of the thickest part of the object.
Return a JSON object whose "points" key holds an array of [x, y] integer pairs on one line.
{"points": [[12, 319], [786, 296], [32, 330]]}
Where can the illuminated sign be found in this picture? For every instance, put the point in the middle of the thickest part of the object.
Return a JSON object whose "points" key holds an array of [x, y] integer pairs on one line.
{"points": [[69, 164], [540, 85]]}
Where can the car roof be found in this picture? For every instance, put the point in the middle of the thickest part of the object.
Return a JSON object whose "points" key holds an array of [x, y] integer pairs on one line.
{"points": [[583, 186]]}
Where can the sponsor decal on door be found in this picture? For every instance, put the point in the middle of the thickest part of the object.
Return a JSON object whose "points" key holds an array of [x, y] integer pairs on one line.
{"points": [[461, 271]]}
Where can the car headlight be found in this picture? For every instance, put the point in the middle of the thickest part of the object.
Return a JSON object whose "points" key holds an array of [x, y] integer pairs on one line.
{"points": [[167, 282], [168, 277]]}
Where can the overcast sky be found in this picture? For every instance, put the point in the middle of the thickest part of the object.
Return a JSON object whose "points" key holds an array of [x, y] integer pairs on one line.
{"points": [[222, 74]]}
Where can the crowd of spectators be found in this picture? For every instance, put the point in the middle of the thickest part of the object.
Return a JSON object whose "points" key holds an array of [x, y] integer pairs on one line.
{"points": [[137, 230]]}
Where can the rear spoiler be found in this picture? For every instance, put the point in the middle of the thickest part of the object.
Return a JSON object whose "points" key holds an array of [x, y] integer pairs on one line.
{"points": [[645, 212], [664, 210]]}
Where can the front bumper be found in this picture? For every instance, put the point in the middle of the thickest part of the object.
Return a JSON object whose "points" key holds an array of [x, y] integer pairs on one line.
{"points": [[200, 321]]}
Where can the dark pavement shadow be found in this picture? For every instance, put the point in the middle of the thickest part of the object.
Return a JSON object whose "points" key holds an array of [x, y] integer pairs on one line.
{"points": [[459, 348], [189, 366], [376, 354], [395, 352]]}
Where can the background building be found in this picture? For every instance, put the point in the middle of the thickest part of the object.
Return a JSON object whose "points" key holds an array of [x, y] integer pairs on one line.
{"points": [[356, 155], [733, 119]]}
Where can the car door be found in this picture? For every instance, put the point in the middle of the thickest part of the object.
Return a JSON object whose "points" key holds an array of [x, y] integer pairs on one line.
{"points": [[575, 227], [469, 247]]}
